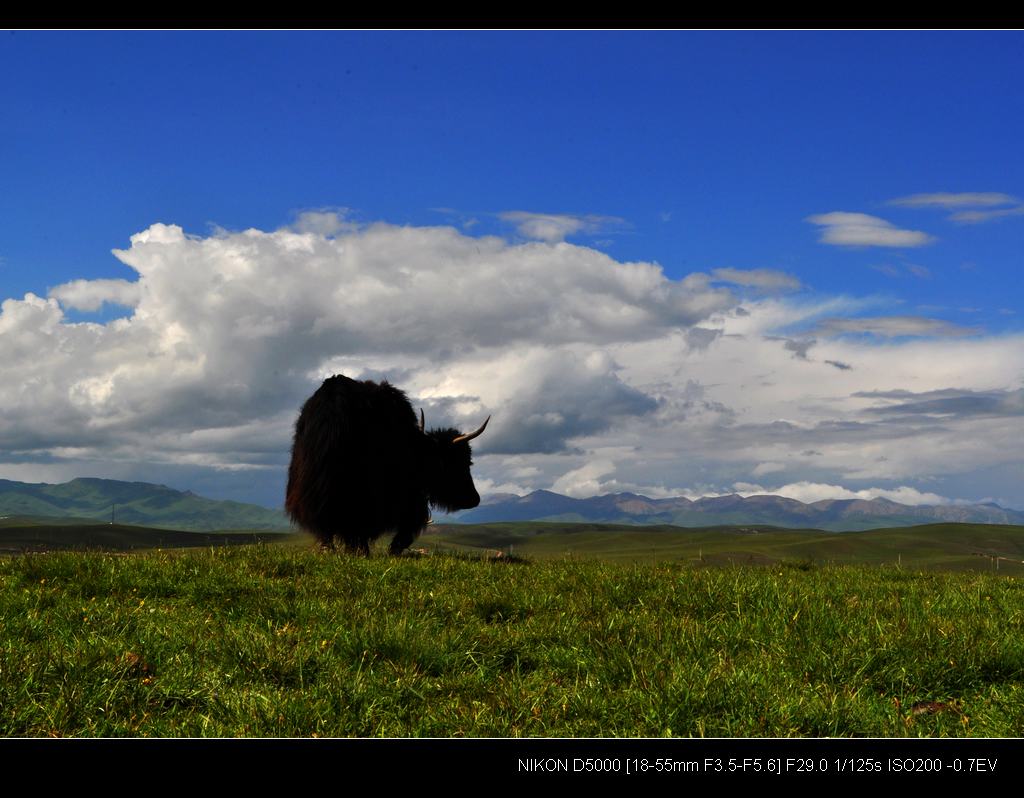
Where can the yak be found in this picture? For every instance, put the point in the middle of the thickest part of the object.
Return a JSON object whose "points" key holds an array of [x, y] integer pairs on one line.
{"points": [[362, 465]]}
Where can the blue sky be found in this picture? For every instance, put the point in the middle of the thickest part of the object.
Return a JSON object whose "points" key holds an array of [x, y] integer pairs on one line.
{"points": [[842, 197]]}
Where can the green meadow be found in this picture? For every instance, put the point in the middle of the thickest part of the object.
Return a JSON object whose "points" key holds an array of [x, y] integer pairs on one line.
{"points": [[282, 639]]}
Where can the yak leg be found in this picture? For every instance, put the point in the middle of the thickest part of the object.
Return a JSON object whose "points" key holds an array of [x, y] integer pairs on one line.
{"points": [[403, 539], [360, 546], [410, 522], [406, 534], [325, 542]]}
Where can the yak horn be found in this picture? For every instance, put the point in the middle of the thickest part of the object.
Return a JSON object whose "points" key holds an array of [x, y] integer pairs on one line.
{"points": [[423, 421], [472, 435]]}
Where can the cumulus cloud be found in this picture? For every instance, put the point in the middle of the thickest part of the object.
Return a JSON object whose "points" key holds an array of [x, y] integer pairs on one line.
{"points": [[555, 227], [861, 230], [230, 331], [893, 326]]}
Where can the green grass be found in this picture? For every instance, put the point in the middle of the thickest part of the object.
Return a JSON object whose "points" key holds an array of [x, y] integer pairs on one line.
{"points": [[289, 641]]}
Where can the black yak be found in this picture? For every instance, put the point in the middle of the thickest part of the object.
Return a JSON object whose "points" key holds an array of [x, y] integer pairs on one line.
{"points": [[362, 465]]}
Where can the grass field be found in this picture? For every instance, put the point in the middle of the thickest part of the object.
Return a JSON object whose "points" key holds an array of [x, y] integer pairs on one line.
{"points": [[284, 640]]}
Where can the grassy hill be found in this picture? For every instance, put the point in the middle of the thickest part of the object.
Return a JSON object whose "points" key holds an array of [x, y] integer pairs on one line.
{"points": [[290, 641], [133, 503]]}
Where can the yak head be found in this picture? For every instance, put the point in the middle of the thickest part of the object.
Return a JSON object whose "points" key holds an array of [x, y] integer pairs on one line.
{"points": [[449, 484]]}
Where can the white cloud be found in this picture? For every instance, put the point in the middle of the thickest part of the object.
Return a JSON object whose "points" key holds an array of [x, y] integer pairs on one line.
{"points": [[585, 480], [555, 227], [809, 492], [764, 279], [887, 270], [229, 333], [767, 468], [976, 217], [324, 221], [892, 326], [90, 295], [968, 199], [861, 230], [546, 395], [981, 206]]}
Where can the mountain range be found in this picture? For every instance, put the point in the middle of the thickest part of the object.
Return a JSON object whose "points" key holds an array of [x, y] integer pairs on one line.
{"points": [[150, 505], [837, 515]]}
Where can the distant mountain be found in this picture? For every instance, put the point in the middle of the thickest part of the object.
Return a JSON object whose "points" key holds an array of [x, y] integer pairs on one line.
{"points": [[837, 515], [137, 503], [144, 504]]}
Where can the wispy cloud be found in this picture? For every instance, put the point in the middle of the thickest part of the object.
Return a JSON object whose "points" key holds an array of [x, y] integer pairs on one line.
{"points": [[947, 403], [763, 279], [972, 207], [893, 327], [555, 227], [976, 217], [968, 199], [845, 229], [921, 272], [886, 269]]}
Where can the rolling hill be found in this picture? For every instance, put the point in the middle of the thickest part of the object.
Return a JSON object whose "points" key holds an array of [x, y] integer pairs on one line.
{"points": [[137, 503]]}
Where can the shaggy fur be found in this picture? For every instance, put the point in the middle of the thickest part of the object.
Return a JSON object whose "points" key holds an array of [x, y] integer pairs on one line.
{"points": [[361, 467]]}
